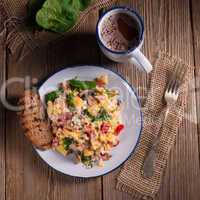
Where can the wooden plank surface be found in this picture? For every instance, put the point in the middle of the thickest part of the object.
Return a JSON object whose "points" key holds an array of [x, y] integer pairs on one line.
{"points": [[2, 124], [195, 8], [182, 175], [169, 27]]}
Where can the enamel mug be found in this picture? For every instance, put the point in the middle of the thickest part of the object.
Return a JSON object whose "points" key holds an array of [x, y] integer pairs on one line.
{"points": [[133, 55]]}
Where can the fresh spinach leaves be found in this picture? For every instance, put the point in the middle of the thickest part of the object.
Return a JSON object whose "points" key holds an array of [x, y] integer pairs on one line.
{"points": [[53, 95], [70, 99], [86, 160], [67, 142], [56, 15], [82, 85], [102, 115]]}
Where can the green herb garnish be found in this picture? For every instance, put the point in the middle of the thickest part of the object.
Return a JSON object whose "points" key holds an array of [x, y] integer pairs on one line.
{"points": [[70, 99], [86, 112], [82, 85], [111, 93], [102, 116], [67, 142], [53, 95], [86, 160]]}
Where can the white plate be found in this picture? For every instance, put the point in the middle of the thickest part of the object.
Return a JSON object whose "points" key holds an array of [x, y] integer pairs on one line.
{"points": [[131, 116]]}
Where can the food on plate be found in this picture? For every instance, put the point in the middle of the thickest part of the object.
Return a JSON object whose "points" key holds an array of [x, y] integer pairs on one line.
{"points": [[85, 119], [32, 117]]}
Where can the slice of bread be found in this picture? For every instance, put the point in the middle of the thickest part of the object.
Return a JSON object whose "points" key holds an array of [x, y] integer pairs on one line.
{"points": [[32, 117]]}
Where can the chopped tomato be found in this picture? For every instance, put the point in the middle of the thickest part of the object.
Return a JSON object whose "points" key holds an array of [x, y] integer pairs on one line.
{"points": [[119, 128], [105, 127]]}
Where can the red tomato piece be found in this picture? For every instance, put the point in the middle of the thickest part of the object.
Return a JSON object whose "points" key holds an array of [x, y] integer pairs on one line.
{"points": [[119, 128]]}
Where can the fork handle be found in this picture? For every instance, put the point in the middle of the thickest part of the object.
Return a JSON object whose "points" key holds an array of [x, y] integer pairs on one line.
{"points": [[148, 166]]}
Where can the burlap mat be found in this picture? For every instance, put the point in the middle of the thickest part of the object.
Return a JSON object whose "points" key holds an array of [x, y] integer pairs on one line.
{"points": [[130, 178], [19, 39]]}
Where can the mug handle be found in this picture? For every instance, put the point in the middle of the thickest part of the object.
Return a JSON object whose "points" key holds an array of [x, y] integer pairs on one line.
{"points": [[140, 61]]}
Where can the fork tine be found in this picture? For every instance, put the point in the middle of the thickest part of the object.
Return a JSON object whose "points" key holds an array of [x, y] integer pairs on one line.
{"points": [[176, 88], [176, 78], [174, 85], [170, 85]]}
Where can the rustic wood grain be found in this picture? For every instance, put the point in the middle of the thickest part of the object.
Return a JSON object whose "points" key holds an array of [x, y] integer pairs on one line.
{"points": [[2, 124], [168, 28], [182, 175], [195, 8], [26, 175]]}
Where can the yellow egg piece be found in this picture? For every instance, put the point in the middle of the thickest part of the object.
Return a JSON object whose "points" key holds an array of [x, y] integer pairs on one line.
{"points": [[95, 144], [71, 134], [88, 152], [78, 102], [61, 149], [94, 109]]}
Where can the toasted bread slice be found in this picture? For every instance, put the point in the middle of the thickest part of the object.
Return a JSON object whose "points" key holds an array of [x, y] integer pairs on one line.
{"points": [[32, 117]]}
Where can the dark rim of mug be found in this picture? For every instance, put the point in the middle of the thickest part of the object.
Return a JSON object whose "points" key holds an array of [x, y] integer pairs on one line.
{"points": [[120, 8]]}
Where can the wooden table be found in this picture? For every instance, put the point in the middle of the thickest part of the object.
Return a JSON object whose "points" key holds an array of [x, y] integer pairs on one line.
{"points": [[171, 25]]}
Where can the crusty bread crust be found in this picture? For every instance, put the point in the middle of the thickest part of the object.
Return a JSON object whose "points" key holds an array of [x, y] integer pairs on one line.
{"points": [[32, 117]]}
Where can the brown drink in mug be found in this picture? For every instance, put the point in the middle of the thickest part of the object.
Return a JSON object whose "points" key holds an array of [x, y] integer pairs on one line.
{"points": [[120, 34]]}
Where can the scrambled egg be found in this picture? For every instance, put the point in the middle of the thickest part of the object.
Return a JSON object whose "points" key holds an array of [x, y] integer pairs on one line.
{"points": [[85, 116]]}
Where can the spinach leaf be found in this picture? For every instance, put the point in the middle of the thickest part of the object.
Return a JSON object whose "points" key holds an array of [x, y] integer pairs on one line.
{"points": [[70, 99], [111, 93], [58, 15], [55, 15], [83, 85], [53, 95], [86, 112], [67, 142], [102, 116], [86, 160]]}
